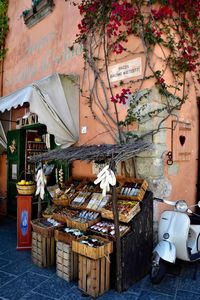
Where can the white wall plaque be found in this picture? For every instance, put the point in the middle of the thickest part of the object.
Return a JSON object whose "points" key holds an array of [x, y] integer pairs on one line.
{"points": [[97, 167], [130, 68]]}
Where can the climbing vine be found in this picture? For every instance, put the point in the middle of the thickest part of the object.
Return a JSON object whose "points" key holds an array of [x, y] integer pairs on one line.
{"points": [[3, 27], [164, 30]]}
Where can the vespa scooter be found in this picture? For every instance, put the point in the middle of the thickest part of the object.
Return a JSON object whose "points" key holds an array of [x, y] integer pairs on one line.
{"points": [[178, 236]]}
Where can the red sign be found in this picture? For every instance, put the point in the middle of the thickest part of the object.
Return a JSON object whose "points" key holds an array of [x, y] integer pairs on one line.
{"points": [[24, 204]]}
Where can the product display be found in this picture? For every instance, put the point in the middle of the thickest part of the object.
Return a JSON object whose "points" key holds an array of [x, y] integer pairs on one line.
{"points": [[80, 198], [45, 227], [75, 221], [63, 214], [108, 228], [92, 242], [132, 189], [126, 210], [98, 201], [85, 216], [53, 222], [123, 206], [73, 231], [50, 210]]}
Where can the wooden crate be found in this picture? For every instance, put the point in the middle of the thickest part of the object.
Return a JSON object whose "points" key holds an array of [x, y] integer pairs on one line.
{"points": [[140, 195], [67, 238], [43, 250], [123, 217], [66, 262], [81, 226], [94, 275], [94, 253]]}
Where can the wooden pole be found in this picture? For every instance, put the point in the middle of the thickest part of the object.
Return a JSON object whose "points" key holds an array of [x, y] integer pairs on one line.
{"points": [[39, 211], [117, 237]]}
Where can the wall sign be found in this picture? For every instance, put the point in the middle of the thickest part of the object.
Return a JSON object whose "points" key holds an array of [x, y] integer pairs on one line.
{"points": [[28, 119], [130, 68]]}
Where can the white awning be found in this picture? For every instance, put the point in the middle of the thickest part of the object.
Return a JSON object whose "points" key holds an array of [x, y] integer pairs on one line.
{"points": [[55, 99]]}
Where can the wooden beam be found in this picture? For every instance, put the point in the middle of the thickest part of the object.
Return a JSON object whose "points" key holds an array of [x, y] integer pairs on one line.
{"points": [[117, 237]]}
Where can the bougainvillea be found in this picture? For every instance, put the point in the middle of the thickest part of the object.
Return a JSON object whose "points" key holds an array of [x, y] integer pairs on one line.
{"points": [[172, 25]]}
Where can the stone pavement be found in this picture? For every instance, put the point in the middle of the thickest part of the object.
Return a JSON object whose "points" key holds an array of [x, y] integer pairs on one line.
{"points": [[20, 279]]}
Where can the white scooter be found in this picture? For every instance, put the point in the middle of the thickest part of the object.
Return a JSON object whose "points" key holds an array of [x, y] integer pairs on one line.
{"points": [[178, 236]]}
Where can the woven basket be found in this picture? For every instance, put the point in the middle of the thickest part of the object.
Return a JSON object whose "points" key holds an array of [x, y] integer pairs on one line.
{"points": [[43, 230], [46, 216], [28, 189], [62, 202]]}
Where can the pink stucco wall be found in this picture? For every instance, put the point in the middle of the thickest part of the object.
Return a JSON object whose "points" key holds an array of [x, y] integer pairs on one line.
{"points": [[44, 49]]}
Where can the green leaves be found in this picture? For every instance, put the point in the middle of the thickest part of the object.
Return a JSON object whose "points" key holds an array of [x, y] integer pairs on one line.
{"points": [[3, 27]]}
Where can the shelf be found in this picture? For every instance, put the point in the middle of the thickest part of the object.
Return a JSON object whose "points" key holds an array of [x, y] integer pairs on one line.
{"points": [[36, 150], [33, 142]]}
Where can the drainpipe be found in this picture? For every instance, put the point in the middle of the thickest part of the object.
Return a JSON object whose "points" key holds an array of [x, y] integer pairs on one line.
{"points": [[198, 169]]}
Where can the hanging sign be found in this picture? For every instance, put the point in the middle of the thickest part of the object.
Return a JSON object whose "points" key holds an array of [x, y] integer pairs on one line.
{"points": [[130, 68]]}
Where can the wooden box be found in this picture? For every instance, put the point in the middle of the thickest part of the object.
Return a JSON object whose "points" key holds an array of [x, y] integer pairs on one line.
{"points": [[81, 226], [91, 252], [123, 217], [66, 262], [67, 238], [127, 182], [94, 275], [43, 250]]}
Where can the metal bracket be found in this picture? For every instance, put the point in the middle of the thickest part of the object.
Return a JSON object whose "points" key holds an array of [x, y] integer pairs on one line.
{"points": [[170, 158]]}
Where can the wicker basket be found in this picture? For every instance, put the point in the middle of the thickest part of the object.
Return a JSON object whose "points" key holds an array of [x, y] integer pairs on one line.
{"points": [[28, 189], [62, 202], [67, 238], [46, 216], [45, 231]]}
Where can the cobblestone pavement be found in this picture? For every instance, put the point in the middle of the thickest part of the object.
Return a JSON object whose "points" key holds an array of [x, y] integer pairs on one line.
{"points": [[20, 279]]}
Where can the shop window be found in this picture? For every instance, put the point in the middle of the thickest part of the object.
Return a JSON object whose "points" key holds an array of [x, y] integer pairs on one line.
{"points": [[181, 141], [39, 10]]}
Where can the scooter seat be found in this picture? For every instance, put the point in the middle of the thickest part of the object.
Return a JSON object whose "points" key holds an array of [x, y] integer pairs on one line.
{"points": [[195, 220]]}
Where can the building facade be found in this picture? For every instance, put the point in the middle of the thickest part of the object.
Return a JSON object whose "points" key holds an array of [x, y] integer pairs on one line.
{"points": [[46, 46]]}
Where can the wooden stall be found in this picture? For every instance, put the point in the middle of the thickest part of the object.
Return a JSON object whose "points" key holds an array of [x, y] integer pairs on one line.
{"points": [[131, 257]]}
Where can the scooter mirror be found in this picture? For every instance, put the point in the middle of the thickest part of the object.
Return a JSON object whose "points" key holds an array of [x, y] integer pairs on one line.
{"points": [[198, 204]]}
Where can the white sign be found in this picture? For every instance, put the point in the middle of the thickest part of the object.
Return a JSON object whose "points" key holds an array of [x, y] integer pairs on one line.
{"points": [[97, 167], [130, 68]]}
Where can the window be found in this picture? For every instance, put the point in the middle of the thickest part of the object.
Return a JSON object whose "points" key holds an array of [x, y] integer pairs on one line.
{"points": [[39, 10]]}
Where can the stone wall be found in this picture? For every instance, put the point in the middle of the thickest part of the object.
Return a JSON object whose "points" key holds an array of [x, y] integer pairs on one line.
{"points": [[150, 164]]}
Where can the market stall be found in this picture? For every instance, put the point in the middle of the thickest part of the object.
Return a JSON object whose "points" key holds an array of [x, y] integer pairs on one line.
{"points": [[116, 218]]}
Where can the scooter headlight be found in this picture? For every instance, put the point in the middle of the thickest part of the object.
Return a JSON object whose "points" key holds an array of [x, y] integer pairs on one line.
{"points": [[181, 206]]}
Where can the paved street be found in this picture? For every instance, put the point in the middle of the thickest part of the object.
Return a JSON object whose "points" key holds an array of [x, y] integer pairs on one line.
{"points": [[20, 279]]}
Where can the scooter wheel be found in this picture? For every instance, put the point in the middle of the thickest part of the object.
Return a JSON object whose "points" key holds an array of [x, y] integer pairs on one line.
{"points": [[158, 271]]}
